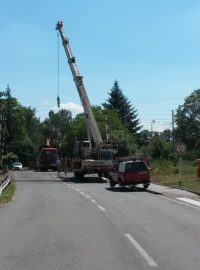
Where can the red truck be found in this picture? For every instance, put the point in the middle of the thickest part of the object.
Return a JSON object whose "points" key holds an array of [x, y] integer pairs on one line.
{"points": [[48, 159], [130, 173]]}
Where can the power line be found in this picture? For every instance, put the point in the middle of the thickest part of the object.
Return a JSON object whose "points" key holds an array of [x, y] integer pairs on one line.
{"points": [[157, 100]]}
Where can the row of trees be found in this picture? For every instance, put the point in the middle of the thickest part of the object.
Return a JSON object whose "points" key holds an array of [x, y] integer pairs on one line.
{"points": [[21, 132]]}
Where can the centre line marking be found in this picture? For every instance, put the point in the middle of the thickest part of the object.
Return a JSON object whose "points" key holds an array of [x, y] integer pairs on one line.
{"points": [[93, 201], [82, 193], [142, 252], [88, 197], [100, 207]]}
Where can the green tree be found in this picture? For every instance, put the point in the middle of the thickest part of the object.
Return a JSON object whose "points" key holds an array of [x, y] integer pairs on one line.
{"points": [[21, 129], [144, 137], [120, 103], [58, 129], [117, 132], [160, 148], [167, 135], [32, 125], [187, 120]]}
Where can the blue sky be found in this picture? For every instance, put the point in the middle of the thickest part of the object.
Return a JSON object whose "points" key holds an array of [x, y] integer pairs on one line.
{"points": [[150, 47]]}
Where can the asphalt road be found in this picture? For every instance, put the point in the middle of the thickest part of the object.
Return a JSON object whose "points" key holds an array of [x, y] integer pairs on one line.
{"points": [[55, 225]]}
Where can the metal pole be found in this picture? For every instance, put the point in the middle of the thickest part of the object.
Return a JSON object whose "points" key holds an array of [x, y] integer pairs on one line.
{"points": [[107, 135], [180, 167], [173, 126], [0, 140]]}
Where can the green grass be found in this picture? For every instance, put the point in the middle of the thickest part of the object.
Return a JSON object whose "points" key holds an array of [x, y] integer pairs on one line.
{"points": [[169, 174], [7, 194]]}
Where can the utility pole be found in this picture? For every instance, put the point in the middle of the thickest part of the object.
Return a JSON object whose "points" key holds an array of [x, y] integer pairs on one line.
{"points": [[152, 122], [107, 135], [0, 139], [173, 126]]}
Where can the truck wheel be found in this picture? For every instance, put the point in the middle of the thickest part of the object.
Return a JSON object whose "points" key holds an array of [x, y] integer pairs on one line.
{"points": [[120, 182], [106, 175], [145, 186], [100, 174], [79, 176]]}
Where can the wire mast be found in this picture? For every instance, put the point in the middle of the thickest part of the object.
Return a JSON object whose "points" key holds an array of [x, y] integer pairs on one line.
{"points": [[58, 72], [78, 79]]}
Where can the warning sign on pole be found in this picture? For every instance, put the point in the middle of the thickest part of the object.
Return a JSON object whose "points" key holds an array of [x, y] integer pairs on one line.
{"points": [[181, 149]]}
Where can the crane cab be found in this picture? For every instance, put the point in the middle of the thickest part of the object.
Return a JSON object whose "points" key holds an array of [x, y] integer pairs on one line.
{"points": [[82, 149]]}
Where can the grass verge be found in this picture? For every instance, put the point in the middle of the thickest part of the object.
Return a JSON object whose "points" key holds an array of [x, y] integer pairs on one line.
{"points": [[8, 193], [188, 182], [169, 174]]}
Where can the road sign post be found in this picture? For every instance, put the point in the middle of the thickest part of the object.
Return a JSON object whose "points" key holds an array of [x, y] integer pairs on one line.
{"points": [[181, 150]]}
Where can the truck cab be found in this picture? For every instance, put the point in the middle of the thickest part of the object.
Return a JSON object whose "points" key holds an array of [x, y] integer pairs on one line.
{"points": [[48, 159]]}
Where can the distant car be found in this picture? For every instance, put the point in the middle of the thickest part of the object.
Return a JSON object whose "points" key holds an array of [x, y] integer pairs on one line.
{"points": [[131, 173], [17, 166]]}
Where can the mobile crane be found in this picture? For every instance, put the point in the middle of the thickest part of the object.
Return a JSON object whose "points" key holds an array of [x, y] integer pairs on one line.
{"points": [[98, 159]]}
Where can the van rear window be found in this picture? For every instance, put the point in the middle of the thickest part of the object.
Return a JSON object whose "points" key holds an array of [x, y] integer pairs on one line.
{"points": [[136, 166]]}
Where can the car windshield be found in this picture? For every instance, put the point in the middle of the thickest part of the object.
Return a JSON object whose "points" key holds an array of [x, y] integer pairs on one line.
{"points": [[17, 164], [49, 153]]}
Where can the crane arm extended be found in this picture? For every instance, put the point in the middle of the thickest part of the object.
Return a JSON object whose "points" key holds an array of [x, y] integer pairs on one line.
{"points": [[78, 79]]}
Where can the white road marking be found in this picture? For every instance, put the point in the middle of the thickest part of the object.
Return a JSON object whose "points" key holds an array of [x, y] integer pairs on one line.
{"points": [[100, 207], [93, 201], [142, 252], [180, 202], [193, 202], [53, 175], [88, 197]]}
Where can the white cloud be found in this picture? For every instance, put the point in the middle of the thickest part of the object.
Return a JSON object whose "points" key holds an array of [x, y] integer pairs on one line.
{"points": [[73, 107], [45, 102]]}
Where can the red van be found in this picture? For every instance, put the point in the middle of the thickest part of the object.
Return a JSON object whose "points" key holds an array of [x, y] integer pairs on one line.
{"points": [[131, 173]]}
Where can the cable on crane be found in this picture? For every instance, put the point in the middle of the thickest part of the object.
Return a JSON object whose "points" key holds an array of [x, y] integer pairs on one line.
{"points": [[58, 71]]}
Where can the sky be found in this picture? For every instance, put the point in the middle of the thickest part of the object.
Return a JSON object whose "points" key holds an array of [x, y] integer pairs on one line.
{"points": [[150, 47]]}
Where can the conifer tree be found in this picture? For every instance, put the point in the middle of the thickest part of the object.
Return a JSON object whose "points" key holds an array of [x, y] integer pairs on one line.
{"points": [[120, 103]]}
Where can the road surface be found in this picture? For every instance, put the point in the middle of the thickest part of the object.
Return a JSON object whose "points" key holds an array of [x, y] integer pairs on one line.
{"points": [[56, 225]]}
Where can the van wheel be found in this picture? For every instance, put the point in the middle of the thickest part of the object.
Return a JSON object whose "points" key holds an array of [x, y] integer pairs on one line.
{"points": [[112, 184], [145, 186], [120, 182]]}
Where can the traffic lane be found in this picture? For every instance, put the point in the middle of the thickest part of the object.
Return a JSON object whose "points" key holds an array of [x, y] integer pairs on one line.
{"points": [[44, 229], [167, 230]]}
